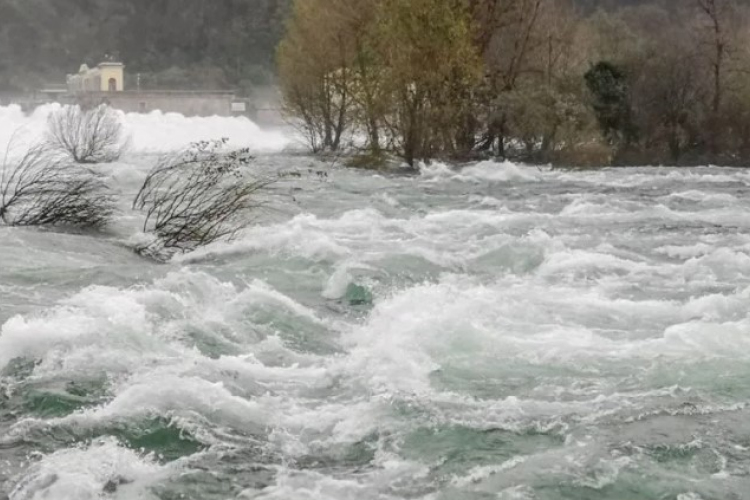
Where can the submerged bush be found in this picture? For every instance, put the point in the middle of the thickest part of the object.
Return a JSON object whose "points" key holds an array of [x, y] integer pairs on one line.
{"points": [[87, 135], [199, 195], [42, 188]]}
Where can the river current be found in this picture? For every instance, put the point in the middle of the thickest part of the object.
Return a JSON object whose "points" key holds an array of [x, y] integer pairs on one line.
{"points": [[492, 332]]}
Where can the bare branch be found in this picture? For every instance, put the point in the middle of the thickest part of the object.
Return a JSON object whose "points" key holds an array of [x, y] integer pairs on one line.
{"points": [[87, 136], [199, 195], [45, 189]]}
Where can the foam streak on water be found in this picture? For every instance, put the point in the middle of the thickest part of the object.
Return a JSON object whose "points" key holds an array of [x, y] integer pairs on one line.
{"points": [[501, 332]]}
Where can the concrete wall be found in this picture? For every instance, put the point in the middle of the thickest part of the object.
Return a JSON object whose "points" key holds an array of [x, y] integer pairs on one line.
{"points": [[262, 107]]}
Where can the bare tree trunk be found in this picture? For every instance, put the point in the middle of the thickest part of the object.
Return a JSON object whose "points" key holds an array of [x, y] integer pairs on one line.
{"points": [[711, 8], [506, 63], [675, 150], [371, 117]]}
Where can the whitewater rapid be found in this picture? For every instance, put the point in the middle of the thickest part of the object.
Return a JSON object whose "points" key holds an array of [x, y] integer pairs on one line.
{"points": [[154, 132], [497, 331]]}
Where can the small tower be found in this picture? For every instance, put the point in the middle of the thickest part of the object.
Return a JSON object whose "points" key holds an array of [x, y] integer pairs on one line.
{"points": [[112, 76]]}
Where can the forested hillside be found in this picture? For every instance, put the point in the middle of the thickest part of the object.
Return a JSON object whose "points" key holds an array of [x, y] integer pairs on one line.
{"points": [[185, 43], [194, 43]]}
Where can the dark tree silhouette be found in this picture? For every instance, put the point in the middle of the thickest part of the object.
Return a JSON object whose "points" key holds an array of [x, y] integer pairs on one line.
{"points": [[44, 189], [87, 135], [608, 85], [199, 195]]}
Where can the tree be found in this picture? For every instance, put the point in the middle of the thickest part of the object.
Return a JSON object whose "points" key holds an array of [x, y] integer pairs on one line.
{"points": [[430, 67], [42, 188], [504, 36], [719, 22], [609, 88], [87, 135], [340, 71], [715, 12], [547, 124], [314, 62], [367, 86], [665, 81], [548, 94], [197, 196], [668, 104], [668, 86]]}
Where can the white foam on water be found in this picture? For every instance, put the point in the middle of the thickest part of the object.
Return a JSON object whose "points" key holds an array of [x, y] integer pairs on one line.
{"points": [[685, 251], [154, 132], [337, 284], [490, 171], [449, 238], [436, 169], [729, 339], [138, 340], [575, 463], [377, 484], [111, 319], [477, 474], [133, 322], [570, 314], [488, 329], [387, 199], [159, 132], [486, 171], [187, 403], [487, 201], [654, 177], [302, 236], [18, 130], [702, 197], [517, 493], [721, 263], [84, 472]]}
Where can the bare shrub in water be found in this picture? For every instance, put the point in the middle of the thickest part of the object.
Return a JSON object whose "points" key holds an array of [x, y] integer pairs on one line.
{"points": [[199, 195], [87, 135], [42, 188]]}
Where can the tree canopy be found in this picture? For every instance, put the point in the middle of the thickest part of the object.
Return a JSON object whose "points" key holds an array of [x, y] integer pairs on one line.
{"points": [[565, 81]]}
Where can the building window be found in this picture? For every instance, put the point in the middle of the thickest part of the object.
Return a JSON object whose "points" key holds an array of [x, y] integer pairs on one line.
{"points": [[112, 85]]}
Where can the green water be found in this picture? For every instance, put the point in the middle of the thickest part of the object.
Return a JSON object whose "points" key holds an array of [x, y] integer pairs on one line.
{"points": [[499, 333]]}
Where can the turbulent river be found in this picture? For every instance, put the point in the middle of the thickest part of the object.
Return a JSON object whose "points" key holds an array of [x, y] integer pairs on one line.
{"points": [[498, 332]]}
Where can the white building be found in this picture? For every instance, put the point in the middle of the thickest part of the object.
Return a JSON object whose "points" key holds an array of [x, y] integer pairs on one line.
{"points": [[106, 77]]}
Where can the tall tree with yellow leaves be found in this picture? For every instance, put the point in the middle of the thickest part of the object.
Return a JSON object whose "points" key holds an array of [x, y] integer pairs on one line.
{"points": [[431, 68]]}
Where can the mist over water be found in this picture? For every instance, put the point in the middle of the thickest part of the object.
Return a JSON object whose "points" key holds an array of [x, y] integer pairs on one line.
{"points": [[155, 132], [500, 332]]}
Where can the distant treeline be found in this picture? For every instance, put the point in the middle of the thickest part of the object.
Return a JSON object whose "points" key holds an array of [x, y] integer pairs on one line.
{"points": [[172, 43], [561, 81]]}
